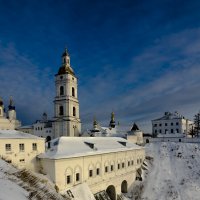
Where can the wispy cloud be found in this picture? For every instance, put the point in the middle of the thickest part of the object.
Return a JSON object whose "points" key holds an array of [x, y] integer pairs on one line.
{"points": [[30, 86], [164, 77]]}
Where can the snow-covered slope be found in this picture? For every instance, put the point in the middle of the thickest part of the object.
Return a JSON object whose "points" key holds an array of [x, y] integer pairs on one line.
{"points": [[175, 172], [23, 185]]}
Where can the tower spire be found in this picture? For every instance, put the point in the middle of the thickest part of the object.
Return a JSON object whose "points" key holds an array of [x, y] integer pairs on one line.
{"points": [[66, 67], [112, 121]]}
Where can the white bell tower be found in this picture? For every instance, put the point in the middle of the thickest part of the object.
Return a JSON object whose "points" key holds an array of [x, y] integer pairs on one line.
{"points": [[66, 105]]}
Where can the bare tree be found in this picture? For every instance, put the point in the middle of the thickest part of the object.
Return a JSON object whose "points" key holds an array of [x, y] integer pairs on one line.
{"points": [[197, 124]]}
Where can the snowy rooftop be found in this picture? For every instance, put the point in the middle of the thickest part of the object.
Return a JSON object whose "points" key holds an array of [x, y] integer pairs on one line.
{"points": [[169, 115], [66, 147], [13, 134]]}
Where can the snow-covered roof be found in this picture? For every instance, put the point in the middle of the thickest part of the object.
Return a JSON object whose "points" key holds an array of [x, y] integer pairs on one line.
{"points": [[25, 127], [169, 115], [13, 134], [66, 147]]}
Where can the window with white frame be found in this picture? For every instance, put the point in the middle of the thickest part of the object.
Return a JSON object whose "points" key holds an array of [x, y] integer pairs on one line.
{"points": [[8, 147], [34, 146], [21, 147]]}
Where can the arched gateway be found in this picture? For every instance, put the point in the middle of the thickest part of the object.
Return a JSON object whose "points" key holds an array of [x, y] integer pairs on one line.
{"points": [[124, 187], [111, 192]]}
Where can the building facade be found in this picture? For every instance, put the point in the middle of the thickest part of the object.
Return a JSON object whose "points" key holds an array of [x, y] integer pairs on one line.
{"points": [[20, 149], [43, 128], [98, 161], [8, 120], [66, 105], [171, 123]]}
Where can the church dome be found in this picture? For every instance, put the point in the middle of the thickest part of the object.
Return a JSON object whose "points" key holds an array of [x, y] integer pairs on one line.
{"points": [[65, 70], [1, 102]]}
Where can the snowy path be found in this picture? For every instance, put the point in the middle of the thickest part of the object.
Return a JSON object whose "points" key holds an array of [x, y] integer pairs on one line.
{"points": [[175, 174]]}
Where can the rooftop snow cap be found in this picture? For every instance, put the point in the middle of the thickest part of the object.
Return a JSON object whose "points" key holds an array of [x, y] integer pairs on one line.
{"points": [[65, 68]]}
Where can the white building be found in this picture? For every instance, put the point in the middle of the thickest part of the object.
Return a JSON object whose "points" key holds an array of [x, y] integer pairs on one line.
{"points": [[104, 163], [66, 105], [8, 121], [171, 123], [43, 128], [20, 148]]}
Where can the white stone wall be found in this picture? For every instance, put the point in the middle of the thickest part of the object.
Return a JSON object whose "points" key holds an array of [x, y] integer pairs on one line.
{"points": [[59, 169], [22, 158]]}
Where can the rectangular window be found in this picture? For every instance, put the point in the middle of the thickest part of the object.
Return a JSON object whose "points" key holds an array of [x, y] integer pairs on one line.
{"points": [[98, 171], [77, 176], [90, 173], [160, 124], [22, 160], [172, 130], [21, 147], [156, 131], [155, 125], [111, 168], [165, 124], [68, 179], [8, 147], [128, 163], [118, 166], [177, 130], [106, 169], [34, 146], [123, 165], [172, 124], [138, 161], [132, 162], [160, 131], [176, 123]]}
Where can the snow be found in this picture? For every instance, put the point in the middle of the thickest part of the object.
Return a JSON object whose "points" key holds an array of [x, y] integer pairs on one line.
{"points": [[13, 134], [80, 192], [175, 172], [66, 147], [8, 189]]}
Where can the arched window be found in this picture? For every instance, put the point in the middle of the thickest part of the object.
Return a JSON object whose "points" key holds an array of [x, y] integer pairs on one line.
{"points": [[61, 110], [61, 90], [73, 92], [69, 176], [77, 174], [74, 111]]}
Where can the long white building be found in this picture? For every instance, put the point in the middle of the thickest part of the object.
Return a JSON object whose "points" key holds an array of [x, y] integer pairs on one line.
{"points": [[104, 163], [171, 123]]}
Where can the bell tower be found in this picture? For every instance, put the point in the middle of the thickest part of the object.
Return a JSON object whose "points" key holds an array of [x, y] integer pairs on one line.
{"points": [[66, 105]]}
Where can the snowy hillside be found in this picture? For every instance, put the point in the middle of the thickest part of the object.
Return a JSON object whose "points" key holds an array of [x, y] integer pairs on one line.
{"points": [[174, 173], [23, 185]]}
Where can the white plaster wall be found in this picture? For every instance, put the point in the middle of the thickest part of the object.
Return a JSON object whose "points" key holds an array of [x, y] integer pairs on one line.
{"points": [[29, 155], [99, 182]]}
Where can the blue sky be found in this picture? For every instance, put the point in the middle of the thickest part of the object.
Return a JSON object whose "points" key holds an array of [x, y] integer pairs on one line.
{"points": [[136, 58]]}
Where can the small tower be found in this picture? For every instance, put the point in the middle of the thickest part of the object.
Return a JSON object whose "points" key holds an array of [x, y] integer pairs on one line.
{"points": [[44, 117], [112, 121], [66, 105], [1, 108], [95, 127], [11, 110]]}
